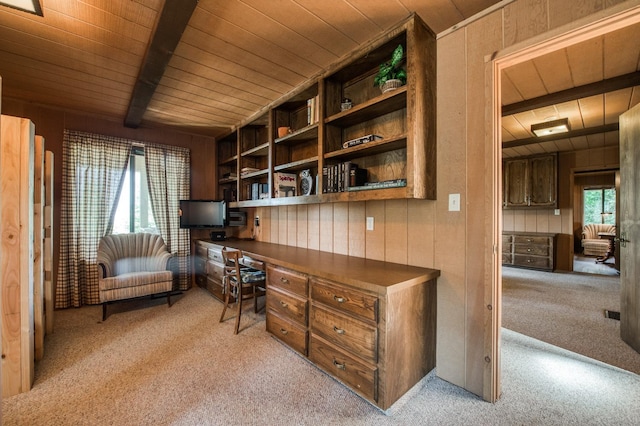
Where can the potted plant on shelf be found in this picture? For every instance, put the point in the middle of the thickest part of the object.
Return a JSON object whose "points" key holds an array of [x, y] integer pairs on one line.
{"points": [[391, 75]]}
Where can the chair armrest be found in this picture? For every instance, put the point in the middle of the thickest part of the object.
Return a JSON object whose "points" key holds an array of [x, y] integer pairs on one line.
{"points": [[103, 270]]}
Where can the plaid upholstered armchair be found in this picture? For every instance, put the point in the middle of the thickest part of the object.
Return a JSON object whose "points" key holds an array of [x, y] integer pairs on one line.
{"points": [[133, 265]]}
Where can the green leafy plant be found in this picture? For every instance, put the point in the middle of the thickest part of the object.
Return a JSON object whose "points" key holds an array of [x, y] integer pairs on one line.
{"points": [[392, 69]]}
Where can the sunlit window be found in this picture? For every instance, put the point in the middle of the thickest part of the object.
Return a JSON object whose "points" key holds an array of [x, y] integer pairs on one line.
{"points": [[134, 213], [600, 206]]}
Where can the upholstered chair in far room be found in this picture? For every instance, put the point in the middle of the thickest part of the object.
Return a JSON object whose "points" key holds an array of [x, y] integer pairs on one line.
{"points": [[240, 283], [592, 243], [133, 265]]}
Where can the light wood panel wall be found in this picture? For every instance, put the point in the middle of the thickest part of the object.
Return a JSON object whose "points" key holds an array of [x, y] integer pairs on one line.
{"points": [[16, 246], [49, 278], [38, 247]]}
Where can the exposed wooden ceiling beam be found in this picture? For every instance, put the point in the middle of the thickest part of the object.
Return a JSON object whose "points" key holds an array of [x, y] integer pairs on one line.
{"points": [[572, 134], [173, 20], [597, 88]]}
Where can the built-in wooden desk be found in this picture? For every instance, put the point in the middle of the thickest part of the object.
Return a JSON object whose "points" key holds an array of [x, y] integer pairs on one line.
{"points": [[370, 324]]}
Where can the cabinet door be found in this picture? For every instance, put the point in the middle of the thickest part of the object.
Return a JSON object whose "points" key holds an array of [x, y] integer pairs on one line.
{"points": [[516, 178], [543, 182]]}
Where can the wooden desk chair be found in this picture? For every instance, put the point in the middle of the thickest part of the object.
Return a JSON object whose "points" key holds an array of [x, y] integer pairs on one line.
{"points": [[240, 282]]}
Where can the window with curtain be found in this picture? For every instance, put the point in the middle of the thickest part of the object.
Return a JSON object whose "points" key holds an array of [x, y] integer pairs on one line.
{"points": [[95, 169]]}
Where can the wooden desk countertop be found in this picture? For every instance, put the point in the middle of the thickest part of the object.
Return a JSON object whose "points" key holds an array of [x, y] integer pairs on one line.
{"points": [[373, 275]]}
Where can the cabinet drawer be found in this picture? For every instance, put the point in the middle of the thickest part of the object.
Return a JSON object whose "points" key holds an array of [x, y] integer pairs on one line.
{"points": [[532, 261], [215, 254], [355, 336], [506, 240], [201, 250], [216, 288], [287, 280], [215, 271], [530, 239], [347, 300], [506, 258], [287, 305], [359, 376], [291, 334], [531, 249]]}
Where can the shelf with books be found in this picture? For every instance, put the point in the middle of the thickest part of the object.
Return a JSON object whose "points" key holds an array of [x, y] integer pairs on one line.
{"points": [[369, 148]]}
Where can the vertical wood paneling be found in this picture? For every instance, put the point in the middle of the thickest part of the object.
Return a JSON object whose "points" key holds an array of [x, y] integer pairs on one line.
{"points": [[395, 229], [524, 19], [341, 228], [292, 225], [421, 233], [530, 220], [326, 227], [313, 227], [301, 226], [283, 225], [38, 239], [49, 276], [357, 226], [275, 226], [450, 229], [562, 12], [542, 220], [375, 239]]}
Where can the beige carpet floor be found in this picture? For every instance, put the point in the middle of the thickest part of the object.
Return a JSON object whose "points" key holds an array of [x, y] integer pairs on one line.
{"points": [[152, 365], [567, 310]]}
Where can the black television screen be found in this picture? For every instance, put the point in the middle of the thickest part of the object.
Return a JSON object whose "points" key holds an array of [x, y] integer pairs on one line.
{"points": [[203, 214]]}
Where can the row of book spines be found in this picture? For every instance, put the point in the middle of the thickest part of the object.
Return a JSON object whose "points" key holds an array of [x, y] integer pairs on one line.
{"points": [[313, 112], [257, 191], [339, 177]]}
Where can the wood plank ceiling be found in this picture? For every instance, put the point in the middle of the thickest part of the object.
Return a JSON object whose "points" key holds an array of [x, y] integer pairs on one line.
{"points": [[236, 56]]}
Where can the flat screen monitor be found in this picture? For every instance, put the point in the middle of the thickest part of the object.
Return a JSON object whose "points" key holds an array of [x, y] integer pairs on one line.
{"points": [[203, 214]]}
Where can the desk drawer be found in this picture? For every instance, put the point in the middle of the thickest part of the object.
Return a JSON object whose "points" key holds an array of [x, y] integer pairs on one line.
{"points": [[201, 250], [292, 335], [215, 271], [531, 249], [215, 254], [344, 299], [287, 280], [530, 239], [532, 261], [354, 336], [288, 305], [359, 376]]}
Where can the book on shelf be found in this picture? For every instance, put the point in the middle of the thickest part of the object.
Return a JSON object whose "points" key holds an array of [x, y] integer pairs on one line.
{"points": [[361, 140], [313, 114], [230, 195], [256, 191], [285, 184], [229, 175], [339, 177], [246, 170], [393, 183]]}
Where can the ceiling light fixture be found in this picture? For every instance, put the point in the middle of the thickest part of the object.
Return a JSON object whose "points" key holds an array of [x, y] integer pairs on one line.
{"points": [[551, 127], [31, 6]]}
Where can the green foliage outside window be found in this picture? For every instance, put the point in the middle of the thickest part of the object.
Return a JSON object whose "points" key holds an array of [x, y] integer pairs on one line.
{"points": [[597, 202]]}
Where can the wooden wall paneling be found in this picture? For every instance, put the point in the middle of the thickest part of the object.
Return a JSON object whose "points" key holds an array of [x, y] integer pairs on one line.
{"points": [[524, 19], [313, 226], [1, 265], [542, 220], [292, 225], [508, 220], [375, 241], [49, 276], [274, 225], [302, 216], [485, 36], [341, 228], [357, 227], [395, 230], [326, 227], [16, 231], [562, 12], [554, 221], [283, 224], [421, 233], [38, 247], [530, 220], [450, 231]]}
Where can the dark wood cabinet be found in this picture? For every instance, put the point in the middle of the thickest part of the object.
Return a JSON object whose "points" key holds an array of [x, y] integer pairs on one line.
{"points": [[531, 182], [529, 250]]}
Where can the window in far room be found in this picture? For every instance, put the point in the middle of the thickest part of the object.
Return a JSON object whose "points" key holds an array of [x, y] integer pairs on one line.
{"points": [[600, 205], [134, 213]]}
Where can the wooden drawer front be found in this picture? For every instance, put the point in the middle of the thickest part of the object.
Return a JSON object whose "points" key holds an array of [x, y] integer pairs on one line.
{"points": [[353, 301], [215, 271], [532, 261], [287, 280], [506, 240], [288, 305], [215, 254], [201, 250], [359, 376], [532, 249], [291, 334], [530, 239], [216, 288], [355, 336], [506, 258]]}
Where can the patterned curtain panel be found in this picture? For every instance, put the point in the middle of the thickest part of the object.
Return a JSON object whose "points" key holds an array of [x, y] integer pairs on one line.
{"points": [[169, 177], [93, 168]]}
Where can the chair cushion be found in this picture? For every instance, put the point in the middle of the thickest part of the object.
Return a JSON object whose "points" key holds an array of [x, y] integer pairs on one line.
{"points": [[134, 279], [250, 275]]}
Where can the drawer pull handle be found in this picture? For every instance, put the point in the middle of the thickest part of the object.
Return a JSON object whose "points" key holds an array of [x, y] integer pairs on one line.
{"points": [[339, 299], [528, 250], [339, 366], [284, 280], [338, 330], [283, 304], [283, 331]]}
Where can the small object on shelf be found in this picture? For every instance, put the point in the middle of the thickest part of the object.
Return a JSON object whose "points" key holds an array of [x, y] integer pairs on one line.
{"points": [[346, 104], [391, 70], [361, 140], [246, 170], [306, 182], [285, 184], [394, 183], [284, 131]]}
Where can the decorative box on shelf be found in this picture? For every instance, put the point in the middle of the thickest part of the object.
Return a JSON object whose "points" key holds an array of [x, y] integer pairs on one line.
{"points": [[285, 184]]}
